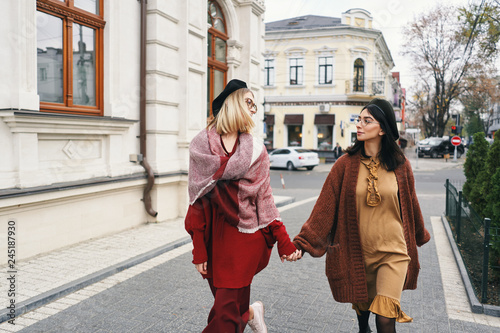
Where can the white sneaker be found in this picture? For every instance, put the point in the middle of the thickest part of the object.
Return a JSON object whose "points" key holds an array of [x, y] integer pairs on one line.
{"points": [[257, 323]]}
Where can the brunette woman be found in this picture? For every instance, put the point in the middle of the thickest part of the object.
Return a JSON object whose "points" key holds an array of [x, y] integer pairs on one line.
{"points": [[369, 222], [232, 218]]}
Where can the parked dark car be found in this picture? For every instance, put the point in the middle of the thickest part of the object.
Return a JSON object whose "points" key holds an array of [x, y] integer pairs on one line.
{"points": [[436, 147]]}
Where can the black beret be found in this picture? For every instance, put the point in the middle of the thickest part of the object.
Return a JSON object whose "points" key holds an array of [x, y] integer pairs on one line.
{"points": [[390, 118], [231, 87]]}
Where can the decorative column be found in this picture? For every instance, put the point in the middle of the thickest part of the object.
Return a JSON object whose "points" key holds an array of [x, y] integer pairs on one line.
{"points": [[18, 59]]}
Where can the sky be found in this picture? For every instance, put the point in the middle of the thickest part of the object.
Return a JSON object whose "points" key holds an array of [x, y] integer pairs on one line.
{"points": [[389, 16]]}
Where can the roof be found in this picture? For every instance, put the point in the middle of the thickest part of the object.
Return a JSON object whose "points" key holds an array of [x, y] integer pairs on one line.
{"points": [[304, 22]]}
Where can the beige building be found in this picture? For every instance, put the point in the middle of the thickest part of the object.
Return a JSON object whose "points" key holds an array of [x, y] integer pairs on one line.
{"points": [[93, 113], [318, 73]]}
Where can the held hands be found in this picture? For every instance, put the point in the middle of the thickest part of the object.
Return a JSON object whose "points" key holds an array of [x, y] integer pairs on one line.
{"points": [[292, 257]]}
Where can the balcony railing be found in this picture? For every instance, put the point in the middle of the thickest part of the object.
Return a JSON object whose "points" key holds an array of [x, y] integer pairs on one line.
{"points": [[369, 87]]}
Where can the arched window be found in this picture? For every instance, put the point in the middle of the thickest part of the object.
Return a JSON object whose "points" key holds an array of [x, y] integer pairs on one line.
{"points": [[359, 75], [217, 50]]}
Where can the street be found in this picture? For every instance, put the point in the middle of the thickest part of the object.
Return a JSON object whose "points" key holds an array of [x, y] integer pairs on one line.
{"points": [[172, 297]]}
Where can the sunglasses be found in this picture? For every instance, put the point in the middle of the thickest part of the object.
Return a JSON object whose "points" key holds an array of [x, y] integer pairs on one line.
{"points": [[251, 105]]}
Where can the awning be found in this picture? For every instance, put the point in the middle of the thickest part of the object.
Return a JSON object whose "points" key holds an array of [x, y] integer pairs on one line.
{"points": [[269, 119], [324, 119], [294, 119]]}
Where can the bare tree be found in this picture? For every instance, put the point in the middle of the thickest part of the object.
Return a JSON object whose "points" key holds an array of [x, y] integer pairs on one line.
{"points": [[482, 92], [478, 100], [442, 55]]}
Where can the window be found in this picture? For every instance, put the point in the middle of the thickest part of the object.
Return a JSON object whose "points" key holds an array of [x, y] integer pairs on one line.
{"points": [[42, 74], [295, 135], [359, 75], [325, 137], [296, 71], [269, 72], [325, 70], [324, 124], [217, 51], [70, 56], [269, 130]]}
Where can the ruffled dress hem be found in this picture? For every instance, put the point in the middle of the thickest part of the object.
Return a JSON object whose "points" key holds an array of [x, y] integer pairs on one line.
{"points": [[384, 306]]}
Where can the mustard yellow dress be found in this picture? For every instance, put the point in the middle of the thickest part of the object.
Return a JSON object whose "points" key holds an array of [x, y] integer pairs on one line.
{"points": [[382, 240]]}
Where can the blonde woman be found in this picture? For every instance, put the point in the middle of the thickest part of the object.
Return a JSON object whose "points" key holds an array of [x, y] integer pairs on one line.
{"points": [[232, 218]]}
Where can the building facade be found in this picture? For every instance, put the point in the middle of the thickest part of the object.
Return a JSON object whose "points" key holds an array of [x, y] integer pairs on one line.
{"points": [[77, 151], [318, 74]]}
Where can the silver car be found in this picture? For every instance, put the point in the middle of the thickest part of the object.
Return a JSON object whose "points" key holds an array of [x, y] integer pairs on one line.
{"points": [[292, 158]]}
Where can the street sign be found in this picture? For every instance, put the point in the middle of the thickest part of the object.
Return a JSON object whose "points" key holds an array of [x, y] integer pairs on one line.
{"points": [[456, 141]]}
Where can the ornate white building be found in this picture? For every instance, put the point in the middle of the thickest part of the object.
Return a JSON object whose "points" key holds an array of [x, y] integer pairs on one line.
{"points": [[75, 144], [319, 72]]}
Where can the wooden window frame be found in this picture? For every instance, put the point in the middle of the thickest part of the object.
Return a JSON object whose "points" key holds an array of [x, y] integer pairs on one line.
{"points": [[212, 62], [70, 14]]}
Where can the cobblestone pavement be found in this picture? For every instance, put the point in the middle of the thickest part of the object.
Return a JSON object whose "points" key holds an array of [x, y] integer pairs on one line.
{"points": [[166, 294]]}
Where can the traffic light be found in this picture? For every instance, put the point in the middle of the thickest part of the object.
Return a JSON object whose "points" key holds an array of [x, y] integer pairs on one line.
{"points": [[453, 129]]}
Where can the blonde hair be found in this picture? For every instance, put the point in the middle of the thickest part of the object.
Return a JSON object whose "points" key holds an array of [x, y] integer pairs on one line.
{"points": [[233, 115]]}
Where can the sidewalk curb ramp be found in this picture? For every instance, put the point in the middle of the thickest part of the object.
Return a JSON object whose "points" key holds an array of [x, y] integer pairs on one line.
{"points": [[475, 305]]}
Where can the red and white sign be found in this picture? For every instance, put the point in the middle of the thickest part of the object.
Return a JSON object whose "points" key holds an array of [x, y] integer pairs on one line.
{"points": [[456, 141]]}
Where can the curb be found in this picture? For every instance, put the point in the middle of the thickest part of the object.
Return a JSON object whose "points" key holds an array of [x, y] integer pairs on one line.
{"points": [[285, 202], [476, 306], [68, 288]]}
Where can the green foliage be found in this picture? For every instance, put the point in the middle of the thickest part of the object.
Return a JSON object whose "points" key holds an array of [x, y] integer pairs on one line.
{"points": [[474, 169], [492, 167], [494, 214], [474, 124], [481, 23]]}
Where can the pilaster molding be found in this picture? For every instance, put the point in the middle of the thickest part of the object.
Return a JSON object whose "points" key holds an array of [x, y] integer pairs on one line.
{"points": [[234, 52], [162, 14]]}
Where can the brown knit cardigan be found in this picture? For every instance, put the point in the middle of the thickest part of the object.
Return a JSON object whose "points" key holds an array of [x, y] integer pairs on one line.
{"points": [[335, 215]]}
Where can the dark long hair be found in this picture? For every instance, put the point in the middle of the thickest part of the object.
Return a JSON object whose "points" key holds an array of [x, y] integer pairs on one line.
{"points": [[390, 155]]}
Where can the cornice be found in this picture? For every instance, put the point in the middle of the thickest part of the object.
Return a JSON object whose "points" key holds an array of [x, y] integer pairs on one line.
{"points": [[72, 13], [342, 31], [43, 122], [325, 50], [270, 54], [295, 51]]}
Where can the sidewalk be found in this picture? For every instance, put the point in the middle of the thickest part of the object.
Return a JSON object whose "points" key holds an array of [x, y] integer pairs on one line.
{"points": [[51, 276], [168, 296]]}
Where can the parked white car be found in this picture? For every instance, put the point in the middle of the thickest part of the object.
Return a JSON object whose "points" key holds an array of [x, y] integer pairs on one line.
{"points": [[292, 158]]}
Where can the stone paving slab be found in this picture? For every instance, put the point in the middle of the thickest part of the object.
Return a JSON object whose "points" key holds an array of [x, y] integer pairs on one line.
{"points": [[50, 276], [166, 294]]}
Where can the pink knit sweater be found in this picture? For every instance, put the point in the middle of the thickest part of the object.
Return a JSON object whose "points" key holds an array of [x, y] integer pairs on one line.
{"points": [[335, 210]]}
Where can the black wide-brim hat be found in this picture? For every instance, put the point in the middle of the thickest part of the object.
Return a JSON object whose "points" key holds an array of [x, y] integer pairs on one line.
{"points": [[231, 87], [385, 107]]}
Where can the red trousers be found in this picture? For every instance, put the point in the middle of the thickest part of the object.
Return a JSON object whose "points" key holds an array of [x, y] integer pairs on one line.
{"points": [[230, 311]]}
